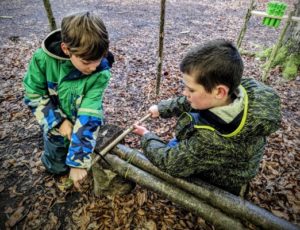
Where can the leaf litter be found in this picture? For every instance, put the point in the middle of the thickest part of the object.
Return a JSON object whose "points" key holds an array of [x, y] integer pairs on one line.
{"points": [[34, 199]]}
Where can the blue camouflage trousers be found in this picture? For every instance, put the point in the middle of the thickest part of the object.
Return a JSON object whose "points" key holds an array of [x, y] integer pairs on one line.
{"points": [[55, 153]]}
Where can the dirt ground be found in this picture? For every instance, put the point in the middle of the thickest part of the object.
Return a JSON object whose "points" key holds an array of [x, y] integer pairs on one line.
{"points": [[31, 199]]}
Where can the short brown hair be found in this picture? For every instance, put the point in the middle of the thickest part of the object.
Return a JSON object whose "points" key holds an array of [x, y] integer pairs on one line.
{"points": [[85, 35], [215, 62]]}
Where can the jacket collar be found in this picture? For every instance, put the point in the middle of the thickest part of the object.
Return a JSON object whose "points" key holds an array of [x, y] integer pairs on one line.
{"points": [[229, 112], [51, 45]]}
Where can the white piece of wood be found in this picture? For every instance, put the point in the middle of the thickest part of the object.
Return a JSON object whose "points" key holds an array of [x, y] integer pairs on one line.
{"points": [[264, 14]]}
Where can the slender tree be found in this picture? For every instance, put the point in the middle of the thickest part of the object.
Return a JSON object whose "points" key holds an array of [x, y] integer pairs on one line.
{"points": [[161, 44], [245, 25], [50, 16]]}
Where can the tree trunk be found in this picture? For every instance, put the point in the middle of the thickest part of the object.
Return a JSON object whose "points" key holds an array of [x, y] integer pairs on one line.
{"points": [[228, 203], [289, 54], [292, 38], [186, 200], [160, 45], [50, 16], [275, 49], [245, 25]]}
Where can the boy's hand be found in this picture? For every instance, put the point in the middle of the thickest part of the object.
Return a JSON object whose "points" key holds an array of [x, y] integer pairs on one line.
{"points": [[140, 130], [66, 128], [77, 175], [154, 111]]}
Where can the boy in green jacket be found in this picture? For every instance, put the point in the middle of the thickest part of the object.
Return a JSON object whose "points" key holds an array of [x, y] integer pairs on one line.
{"points": [[223, 120], [64, 85]]}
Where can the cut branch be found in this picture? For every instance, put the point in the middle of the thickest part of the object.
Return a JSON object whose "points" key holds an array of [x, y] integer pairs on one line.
{"points": [[228, 203], [186, 200]]}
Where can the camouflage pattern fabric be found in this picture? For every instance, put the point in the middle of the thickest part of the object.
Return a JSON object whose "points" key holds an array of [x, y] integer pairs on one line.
{"points": [[225, 161], [55, 90]]}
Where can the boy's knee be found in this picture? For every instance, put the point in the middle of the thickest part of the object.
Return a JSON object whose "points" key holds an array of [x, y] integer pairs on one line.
{"points": [[53, 165], [54, 155]]}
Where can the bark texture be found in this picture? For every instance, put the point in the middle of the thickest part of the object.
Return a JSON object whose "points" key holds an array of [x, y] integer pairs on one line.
{"points": [[50, 16], [292, 38], [184, 199], [228, 203]]}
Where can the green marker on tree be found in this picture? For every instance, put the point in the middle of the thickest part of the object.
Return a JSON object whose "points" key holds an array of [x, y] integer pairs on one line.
{"points": [[275, 9]]}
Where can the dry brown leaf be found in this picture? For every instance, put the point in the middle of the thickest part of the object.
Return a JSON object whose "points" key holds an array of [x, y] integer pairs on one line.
{"points": [[149, 225], [15, 217], [280, 214], [141, 212], [141, 198]]}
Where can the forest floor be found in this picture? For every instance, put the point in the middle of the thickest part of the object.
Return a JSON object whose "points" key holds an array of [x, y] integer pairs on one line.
{"points": [[31, 199]]}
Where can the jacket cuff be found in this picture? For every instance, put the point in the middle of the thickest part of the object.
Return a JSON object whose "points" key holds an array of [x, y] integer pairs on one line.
{"points": [[83, 141], [148, 137]]}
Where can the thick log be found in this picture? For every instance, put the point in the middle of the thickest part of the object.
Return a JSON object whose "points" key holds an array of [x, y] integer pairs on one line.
{"points": [[184, 199], [227, 202]]}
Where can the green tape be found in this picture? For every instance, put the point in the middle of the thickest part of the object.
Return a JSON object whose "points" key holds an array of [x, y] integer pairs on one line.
{"points": [[275, 9]]}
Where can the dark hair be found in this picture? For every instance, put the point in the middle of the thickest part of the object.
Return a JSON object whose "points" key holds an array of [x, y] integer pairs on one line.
{"points": [[216, 62], [85, 35]]}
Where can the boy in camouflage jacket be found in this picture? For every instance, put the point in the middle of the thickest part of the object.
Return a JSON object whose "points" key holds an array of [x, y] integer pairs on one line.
{"points": [[223, 120], [64, 85]]}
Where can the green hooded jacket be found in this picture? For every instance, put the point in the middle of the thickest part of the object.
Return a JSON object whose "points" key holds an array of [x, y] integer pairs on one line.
{"points": [[227, 159], [55, 90]]}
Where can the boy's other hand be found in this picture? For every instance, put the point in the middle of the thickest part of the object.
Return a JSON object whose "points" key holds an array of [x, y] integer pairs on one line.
{"points": [[77, 175], [154, 111], [66, 129], [140, 130]]}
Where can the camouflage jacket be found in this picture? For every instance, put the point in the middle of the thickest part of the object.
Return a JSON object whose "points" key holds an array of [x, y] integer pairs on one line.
{"points": [[224, 157], [55, 90]]}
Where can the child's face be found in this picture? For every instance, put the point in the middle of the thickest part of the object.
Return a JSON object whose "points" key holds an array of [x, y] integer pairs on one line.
{"points": [[196, 95], [85, 67]]}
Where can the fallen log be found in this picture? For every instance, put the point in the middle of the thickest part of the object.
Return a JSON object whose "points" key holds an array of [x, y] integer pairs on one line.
{"points": [[227, 202], [184, 199]]}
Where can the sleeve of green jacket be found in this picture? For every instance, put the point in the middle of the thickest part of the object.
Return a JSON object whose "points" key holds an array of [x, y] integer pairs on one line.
{"points": [[173, 107], [89, 119], [188, 157], [37, 98]]}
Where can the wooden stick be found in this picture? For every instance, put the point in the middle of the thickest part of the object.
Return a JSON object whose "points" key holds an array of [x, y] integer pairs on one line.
{"points": [[104, 151], [244, 28], [264, 14], [6, 17]]}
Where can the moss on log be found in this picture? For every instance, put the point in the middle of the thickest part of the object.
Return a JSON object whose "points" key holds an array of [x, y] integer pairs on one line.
{"points": [[290, 63]]}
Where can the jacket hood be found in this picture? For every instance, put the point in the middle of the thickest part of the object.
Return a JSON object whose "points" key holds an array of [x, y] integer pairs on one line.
{"points": [[51, 45], [263, 109]]}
